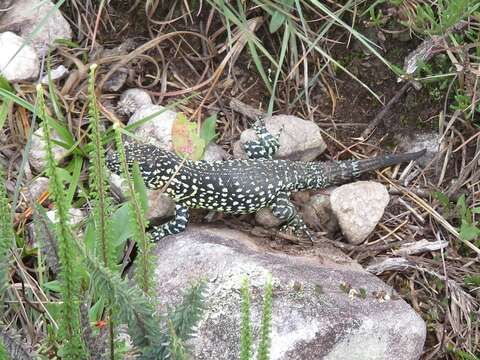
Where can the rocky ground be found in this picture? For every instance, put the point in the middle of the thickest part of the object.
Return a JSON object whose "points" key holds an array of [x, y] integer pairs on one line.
{"points": [[387, 276]]}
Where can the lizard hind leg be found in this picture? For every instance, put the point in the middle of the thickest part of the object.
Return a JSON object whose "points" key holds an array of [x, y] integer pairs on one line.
{"points": [[283, 209], [266, 145], [174, 226]]}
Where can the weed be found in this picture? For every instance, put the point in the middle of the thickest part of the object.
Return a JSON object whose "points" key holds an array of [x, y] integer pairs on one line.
{"points": [[246, 337]]}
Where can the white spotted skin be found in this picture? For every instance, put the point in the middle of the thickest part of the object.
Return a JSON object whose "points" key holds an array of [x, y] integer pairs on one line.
{"points": [[238, 186], [232, 186]]}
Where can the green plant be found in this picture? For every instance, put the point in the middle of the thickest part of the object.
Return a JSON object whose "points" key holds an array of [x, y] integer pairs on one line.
{"points": [[377, 18], [469, 229], [266, 324], [7, 236], [73, 347], [294, 37], [463, 355], [188, 139], [246, 337], [279, 14], [437, 17], [3, 352], [138, 204], [463, 102], [99, 189]]}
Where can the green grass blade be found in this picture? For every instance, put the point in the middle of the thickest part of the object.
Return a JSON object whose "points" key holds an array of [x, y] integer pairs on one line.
{"points": [[75, 178], [63, 132], [283, 51], [365, 41]]}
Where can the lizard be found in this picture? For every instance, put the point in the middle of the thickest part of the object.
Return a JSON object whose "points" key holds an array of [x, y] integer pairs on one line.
{"points": [[240, 186]]}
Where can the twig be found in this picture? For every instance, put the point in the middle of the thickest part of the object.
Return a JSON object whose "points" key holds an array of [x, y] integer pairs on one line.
{"points": [[244, 109], [419, 247]]}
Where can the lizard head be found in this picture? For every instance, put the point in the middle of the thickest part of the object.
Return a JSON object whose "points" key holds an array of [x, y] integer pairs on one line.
{"points": [[134, 152]]}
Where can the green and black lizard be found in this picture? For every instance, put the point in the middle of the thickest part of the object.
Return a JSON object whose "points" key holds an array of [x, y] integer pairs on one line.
{"points": [[241, 186]]}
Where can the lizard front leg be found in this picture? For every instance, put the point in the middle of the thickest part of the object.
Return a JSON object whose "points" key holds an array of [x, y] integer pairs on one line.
{"points": [[284, 210], [266, 145], [174, 226]]}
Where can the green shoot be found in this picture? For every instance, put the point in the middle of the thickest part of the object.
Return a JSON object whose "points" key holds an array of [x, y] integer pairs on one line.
{"points": [[246, 326]]}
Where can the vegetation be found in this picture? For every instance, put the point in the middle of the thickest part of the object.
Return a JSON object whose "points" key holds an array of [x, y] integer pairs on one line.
{"points": [[246, 335], [335, 63]]}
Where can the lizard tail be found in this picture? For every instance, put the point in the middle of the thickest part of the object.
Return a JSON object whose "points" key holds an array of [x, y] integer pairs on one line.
{"points": [[343, 171]]}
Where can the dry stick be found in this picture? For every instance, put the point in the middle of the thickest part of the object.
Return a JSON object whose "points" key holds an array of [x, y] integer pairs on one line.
{"points": [[233, 53], [466, 171], [244, 109], [97, 24], [252, 113], [446, 225], [148, 45], [386, 109]]}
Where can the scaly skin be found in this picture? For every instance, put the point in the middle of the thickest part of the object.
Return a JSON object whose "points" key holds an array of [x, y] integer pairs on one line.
{"points": [[241, 186]]}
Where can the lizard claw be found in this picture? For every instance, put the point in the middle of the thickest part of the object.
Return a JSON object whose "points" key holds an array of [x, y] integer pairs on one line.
{"points": [[301, 232]]}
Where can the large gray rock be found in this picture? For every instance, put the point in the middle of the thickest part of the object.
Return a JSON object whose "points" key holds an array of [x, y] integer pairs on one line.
{"points": [[17, 63], [299, 139], [324, 305], [38, 20], [358, 207]]}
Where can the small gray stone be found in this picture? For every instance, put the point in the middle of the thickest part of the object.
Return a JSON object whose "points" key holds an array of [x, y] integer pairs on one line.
{"points": [[359, 207], [299, 140], [318, 312], [26, 16], [75, 216], [318, 214], [419, 141], [265, 217], [117, 80], [37, 155], [37, 188], [158, 129], [159, 205], [133, 99], [214, 152], [57, 73], [17, 65]]}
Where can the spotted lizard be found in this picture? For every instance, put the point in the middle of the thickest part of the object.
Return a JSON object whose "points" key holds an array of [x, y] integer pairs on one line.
{"points": [[241, 186]]}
